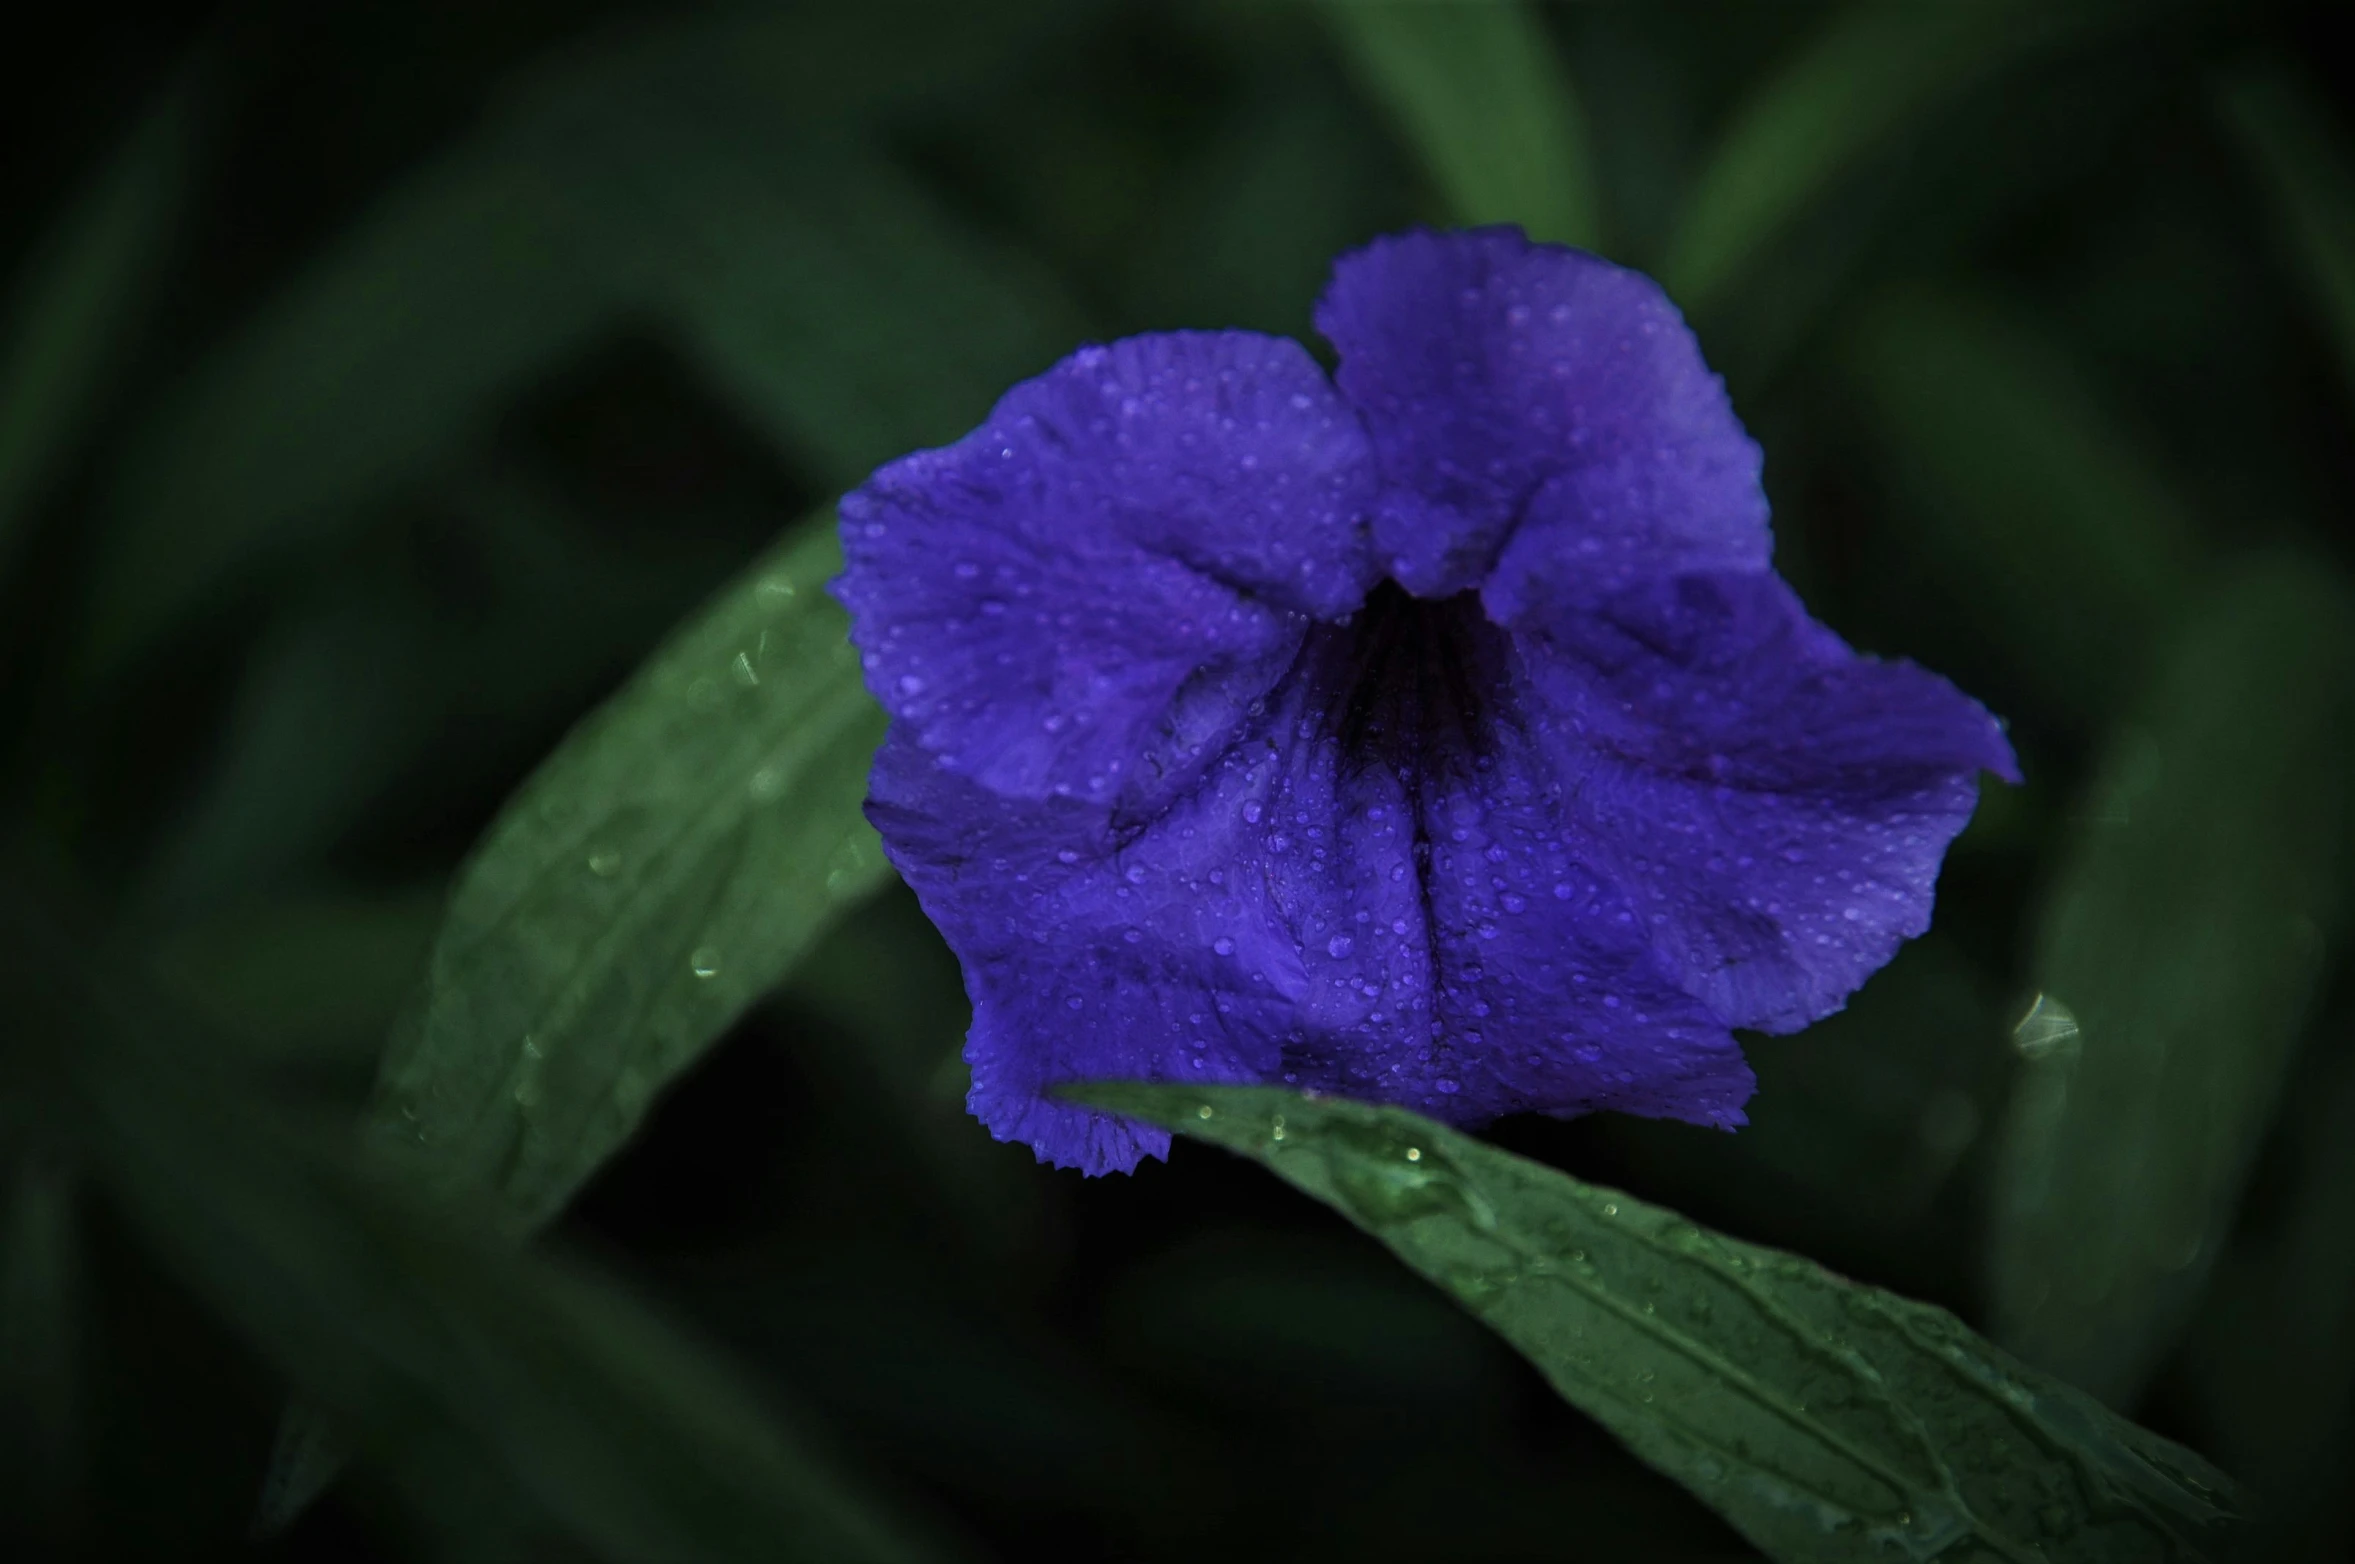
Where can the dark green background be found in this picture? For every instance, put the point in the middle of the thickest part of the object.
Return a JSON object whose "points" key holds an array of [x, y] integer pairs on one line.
{"points": [[340, 528]]}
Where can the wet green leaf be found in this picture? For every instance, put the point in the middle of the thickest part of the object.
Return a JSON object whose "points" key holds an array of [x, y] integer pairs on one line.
{"points": [[661, 870], [2030, 489], [2302, 161], [1868, 76], [2179, 951], [1484, 101], [67, 321], [1825, 1420]]}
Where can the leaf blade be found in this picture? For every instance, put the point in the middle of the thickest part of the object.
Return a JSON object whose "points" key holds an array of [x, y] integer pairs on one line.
{"points": [[662, 869], [405, 1322], [2177, 958], [1870, 1421], [616, 184], [2076, 540], [1485, 102], [2301, 161], [68, 320], [1856, 85]]}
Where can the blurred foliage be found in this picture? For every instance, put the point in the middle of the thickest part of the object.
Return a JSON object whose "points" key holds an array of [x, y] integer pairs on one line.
{"points": [[380, 386]]}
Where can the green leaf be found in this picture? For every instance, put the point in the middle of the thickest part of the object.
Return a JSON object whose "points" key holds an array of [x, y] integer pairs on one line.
{"points": [[411, 1324], [1861, 1122], [554, 608], [303, 978], [2178, 954], [817, 285], [674, 175], [2033, 492], [70, 318], [1482, 98], [2302, 162], [1825, 1420], [2271, 1363], [660, 871], [1246, 235], [43, 1307], [445, 301], [1872, 73]]}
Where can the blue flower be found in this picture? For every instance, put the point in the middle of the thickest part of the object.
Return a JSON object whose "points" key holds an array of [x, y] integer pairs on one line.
{"points": [[1436, 733]]}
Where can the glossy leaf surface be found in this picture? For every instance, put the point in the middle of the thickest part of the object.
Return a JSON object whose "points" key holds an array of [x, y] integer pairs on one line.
{"points": [[1826, 1420], [660, 871]]}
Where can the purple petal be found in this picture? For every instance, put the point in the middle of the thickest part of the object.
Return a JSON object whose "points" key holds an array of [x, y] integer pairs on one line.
{"points": [[1774, 805], [1195, 795], [1364, 895], [1535, 410], [1080, 597]]}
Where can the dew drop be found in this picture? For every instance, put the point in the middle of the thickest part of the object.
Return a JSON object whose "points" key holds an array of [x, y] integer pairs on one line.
{"points": [[704, 962]]}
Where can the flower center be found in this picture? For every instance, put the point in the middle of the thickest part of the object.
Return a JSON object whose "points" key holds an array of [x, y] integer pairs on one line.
{"points": [[1418, 678]]}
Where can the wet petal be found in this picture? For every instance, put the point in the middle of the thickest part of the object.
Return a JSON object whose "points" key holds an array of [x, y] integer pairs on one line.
{"points": [[1080, 597], [1537, 410], [1362, 896], [1774, 805]]}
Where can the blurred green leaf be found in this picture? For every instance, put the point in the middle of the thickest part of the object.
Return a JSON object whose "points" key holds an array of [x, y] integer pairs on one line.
{"points": [[2177, 956], [1859, 84], [43, 1305], [1480, 95], [826, 294], [1862, 1122], [298, 758], [671, 174], [451, 296], [2059, 526], [1247, 234], [2302, 161], [70, 318], [411, 1322], [891, 1000], [552, 612], [304, 977], [2273, 1364], [660, 871], [1825, 1420]]}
